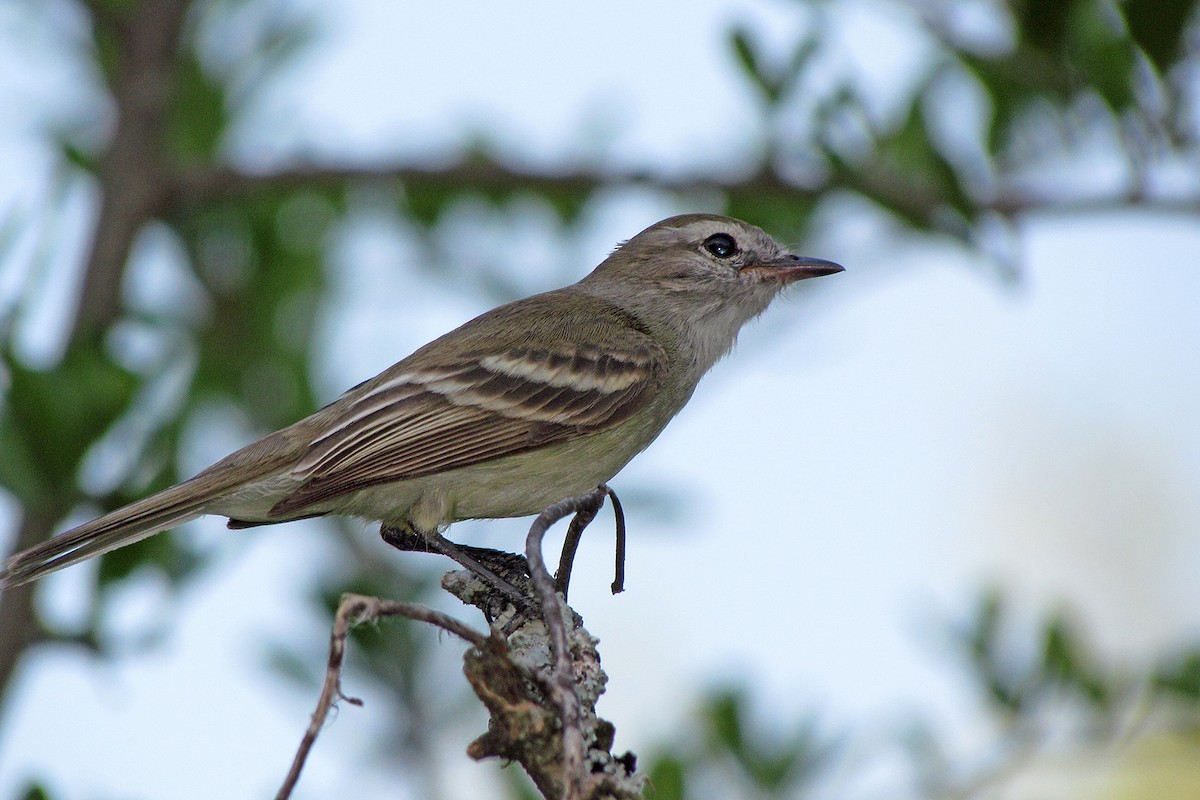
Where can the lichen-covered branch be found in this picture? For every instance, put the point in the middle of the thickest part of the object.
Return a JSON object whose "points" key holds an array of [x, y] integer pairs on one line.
{"points": [[537, 672]]}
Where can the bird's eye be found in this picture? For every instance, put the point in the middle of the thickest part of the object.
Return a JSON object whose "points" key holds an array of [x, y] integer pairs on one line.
{"points": [[721, 245]]}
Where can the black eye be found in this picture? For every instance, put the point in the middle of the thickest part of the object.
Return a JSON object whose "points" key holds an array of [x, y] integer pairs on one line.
{"points": [[721, 245]]}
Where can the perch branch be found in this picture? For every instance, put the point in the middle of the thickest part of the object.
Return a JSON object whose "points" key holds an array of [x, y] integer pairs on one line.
{"points": [[574, 750], [538, 675], [353, 610]]}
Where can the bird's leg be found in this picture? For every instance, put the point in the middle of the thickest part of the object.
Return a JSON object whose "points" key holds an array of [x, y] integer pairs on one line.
{"points": [[404, 539], [618, 584], [507, 571], [583, 517], [470, 558], [562, 578], [507, 565]]}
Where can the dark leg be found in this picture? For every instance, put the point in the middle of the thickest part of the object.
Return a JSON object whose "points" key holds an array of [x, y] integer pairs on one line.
{"points": [[583, 517], [562, 578], [618, 584], [469, 558]]}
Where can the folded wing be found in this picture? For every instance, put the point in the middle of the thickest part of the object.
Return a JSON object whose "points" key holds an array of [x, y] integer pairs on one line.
{"points": [[479, 407]]}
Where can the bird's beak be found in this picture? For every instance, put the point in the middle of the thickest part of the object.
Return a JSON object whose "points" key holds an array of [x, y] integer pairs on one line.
{"points": [[788, 268]]}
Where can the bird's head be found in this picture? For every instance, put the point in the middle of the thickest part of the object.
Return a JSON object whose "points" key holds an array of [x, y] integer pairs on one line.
{"points": [[702, 263]]}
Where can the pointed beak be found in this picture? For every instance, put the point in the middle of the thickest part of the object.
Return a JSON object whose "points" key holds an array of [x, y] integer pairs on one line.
{"points": [[788, 268]]}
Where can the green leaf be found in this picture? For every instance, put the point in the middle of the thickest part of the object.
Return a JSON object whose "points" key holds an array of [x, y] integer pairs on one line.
{"points": [[802, 56], [1180, 676], [79, 158], [106, 53], [785, 215], [53, 416], [20, 472], [1157, 27], [770, 762], [426, 201], [1043, 23], [743, 51], [1010, 90], [1066, 664], [1004, 684], [667, 779], [199, 114], [36, 792], [915, 163], [724, 717], [1099, 49], [752, 65], [567, 203]]}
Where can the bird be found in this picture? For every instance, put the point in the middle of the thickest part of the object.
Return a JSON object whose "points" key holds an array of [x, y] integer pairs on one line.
{"points": [[532, 402]]}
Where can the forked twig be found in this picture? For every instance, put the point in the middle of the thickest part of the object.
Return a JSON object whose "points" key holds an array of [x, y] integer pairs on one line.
{"points": [[539, 676], [353, 610]]}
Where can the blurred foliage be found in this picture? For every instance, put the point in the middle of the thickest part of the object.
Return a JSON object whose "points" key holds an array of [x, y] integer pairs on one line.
{"points": [[1058, 665], [1049, 77], [50, 405], [261, 265], [1050, 692], [1046, 79], [1046, 689], [734, 755], [1179, 675]]}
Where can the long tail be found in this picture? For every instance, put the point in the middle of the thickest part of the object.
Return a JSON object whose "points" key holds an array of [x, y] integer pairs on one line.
{"points": [[126, 525], [159, 512]]}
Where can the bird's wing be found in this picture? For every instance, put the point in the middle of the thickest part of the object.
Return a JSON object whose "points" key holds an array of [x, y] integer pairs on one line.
{"points": [[477, 407]]}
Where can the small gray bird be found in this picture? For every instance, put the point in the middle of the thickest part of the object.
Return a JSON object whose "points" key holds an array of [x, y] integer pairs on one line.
{"points": [[533, 402]]}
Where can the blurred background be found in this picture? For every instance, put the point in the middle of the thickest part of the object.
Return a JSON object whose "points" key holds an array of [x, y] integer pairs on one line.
{"points": [[933, 531]]}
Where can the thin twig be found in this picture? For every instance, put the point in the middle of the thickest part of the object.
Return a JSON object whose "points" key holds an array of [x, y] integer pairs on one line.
{"points": [[355, 609], [574, 749]]}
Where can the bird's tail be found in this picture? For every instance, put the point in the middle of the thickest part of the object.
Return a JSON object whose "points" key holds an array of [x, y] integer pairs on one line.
{"points": [[126, 525], [195, 497]]}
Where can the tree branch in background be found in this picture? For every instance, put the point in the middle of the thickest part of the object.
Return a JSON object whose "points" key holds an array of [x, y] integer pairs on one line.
{"points": [[201, 186], [134, 176], [17, 630], [133, 182]]}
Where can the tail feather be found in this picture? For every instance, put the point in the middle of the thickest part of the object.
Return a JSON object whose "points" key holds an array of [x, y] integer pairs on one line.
{"points": [[195, 497], [126, 525]]}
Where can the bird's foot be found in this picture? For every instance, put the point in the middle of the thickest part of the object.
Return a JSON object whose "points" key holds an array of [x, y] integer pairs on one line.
{"points": [[506, 572]]}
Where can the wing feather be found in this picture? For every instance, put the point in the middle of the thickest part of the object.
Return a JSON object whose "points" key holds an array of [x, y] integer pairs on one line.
{"points": [[479, 407]]}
